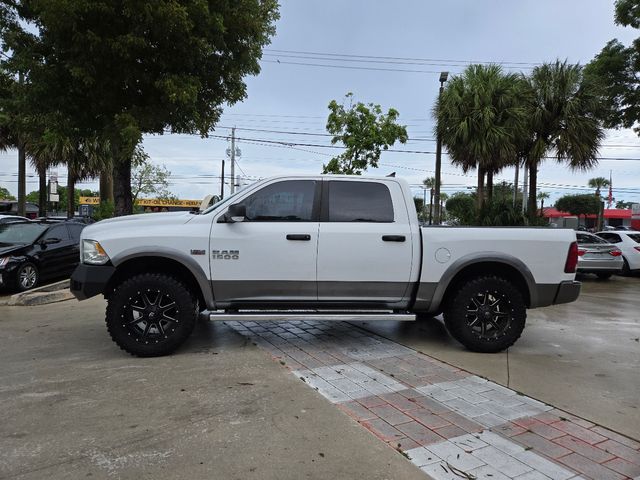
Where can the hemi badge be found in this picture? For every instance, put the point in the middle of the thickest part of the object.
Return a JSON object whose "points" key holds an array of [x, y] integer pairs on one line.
{"points": [[198, 252]]}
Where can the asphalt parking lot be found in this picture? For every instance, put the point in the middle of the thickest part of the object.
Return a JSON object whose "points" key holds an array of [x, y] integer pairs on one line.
{"points": [[74, 406]]}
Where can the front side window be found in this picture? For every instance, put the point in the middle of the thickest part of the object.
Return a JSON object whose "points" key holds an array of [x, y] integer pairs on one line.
{"points": [[59, 231], [359, 202], [288, 201]]}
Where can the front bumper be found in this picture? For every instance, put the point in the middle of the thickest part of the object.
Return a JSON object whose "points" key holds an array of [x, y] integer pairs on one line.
{"points": [[90, 280]]}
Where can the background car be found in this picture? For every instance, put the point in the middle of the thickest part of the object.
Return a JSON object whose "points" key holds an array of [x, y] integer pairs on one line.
{"points": [[12, 219], [598, 256], [31, 252], [629, 243]]}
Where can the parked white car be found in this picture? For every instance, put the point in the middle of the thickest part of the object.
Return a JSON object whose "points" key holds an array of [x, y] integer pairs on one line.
{"points": [[629, 243]]}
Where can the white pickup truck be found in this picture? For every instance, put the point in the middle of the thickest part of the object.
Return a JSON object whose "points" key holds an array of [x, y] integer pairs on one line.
{"points": [[315, 247]]}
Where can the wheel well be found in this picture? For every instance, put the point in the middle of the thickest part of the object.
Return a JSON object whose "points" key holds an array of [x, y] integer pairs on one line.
{"points": [[498, 269], [154, 264]]}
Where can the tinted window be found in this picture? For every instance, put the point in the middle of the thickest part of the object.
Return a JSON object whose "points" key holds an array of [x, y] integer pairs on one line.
{"points": [[18, 233], [58, 231], [359, 202], [75, 230], [290, 201], [634, 236], [611, 237], [584, 238]]}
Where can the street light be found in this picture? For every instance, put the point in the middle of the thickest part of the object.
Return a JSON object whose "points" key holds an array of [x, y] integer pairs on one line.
{"points": [[436, 194]]}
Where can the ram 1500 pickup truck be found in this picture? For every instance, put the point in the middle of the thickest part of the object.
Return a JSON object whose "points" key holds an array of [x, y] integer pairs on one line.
{"points": [[339, 246]]}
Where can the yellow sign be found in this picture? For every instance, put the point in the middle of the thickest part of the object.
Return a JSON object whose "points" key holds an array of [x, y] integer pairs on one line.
{"points": [[148, 202]]}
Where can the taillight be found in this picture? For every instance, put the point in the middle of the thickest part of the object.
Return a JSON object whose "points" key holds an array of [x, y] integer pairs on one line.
{"points": [[637, 248], [572, 259], [581, 252], [615, 253]]}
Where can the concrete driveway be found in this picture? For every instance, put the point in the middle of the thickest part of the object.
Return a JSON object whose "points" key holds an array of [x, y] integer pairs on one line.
{"points": [[583, 357]]}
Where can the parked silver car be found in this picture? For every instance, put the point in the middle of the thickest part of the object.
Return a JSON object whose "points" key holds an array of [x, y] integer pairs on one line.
{"points": [[598, 256]]}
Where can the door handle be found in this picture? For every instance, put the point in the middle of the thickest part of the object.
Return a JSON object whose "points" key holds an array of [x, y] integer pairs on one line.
{"points": [[301, 237], [393, 238]]}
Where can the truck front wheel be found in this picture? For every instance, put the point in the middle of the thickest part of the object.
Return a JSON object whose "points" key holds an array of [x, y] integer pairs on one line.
{"points": [[151, 314], [486, 314]]}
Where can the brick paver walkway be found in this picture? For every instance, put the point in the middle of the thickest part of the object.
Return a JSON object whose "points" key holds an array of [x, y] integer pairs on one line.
{"points": [[451, 424]]}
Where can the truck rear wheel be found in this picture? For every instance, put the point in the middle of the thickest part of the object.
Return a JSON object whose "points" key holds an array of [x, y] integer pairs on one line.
{"points": [[486, 314], [151, 314]]}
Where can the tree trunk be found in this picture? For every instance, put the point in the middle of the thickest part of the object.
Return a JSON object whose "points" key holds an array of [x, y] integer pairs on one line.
{"points": [[106, 185], [480, 191], [490, 185], [42, 190], [533, 184], [122, 187], [71, 193]]}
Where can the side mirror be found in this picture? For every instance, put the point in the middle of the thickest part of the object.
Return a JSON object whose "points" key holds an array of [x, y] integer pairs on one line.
{"points": [[51, 241], [236, 213]]}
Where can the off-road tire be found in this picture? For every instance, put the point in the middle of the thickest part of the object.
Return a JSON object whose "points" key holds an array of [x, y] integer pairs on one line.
{"points": [[151, 327], [508, 312], [22, 270], [604, 276]]}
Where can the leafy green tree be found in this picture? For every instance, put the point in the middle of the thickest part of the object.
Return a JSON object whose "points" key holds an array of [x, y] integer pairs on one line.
{"points": [[461, 208], [5, 194], [147, 178], [624, 205], [365, 131], [117, 70], [579, 205], [479, 116], [562, 122], [616, 73]]}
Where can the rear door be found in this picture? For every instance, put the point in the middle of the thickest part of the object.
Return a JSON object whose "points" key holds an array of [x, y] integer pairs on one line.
{"points": [[270, 258], [365, 247]]}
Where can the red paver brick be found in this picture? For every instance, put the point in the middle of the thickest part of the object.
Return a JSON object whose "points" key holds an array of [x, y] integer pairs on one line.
{"points": [[546, 417], [429, 419], [622, 451], [582, 433], [577, 420], [509, 429], [620, 465], [419, 433], [450, 431], [390, 415], [404, 444], [526, 422], [590, 468], [584, 449], [399, 401], [541, 445], [357, 411], [464, 423], [617, 437], [372, 401], [546, 431], [383, 430]]}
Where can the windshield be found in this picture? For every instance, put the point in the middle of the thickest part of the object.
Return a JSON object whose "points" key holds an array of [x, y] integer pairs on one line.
{"points": [[20, 233], [635, 237]]}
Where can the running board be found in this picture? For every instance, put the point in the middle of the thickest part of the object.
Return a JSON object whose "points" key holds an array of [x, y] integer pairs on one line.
{"points": [[314, 316]]}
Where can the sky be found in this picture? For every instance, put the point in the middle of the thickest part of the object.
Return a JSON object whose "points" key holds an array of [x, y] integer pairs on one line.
{"points": [[389, 53]]}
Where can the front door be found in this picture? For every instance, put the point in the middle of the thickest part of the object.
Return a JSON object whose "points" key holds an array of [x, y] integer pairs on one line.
{"points": [[58, 259], [270, 257], [365, 244]]}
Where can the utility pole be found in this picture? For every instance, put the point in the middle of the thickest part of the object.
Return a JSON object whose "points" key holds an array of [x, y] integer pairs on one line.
{"points": [[436, 195], [233, 160], [222, 181], [525, 188]]}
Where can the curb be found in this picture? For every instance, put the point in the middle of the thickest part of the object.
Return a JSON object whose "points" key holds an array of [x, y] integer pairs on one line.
{"points": [[55, 292]]}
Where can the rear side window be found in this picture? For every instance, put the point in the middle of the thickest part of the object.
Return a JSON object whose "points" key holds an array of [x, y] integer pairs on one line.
{"points": [[288, 201], [634, 236], [74, 230], [359, 202]]}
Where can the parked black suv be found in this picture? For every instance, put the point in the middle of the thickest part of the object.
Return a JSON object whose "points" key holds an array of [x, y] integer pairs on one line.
{"points": [[34, 251]]}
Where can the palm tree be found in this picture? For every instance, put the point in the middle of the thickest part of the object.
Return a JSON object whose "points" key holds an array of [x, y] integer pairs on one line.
{"points": [[480, 115], [542, 196], [598, 183], [430, 183], [562, 121]]}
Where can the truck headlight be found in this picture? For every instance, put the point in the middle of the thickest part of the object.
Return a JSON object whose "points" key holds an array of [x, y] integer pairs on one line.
{"points": [[93, 253]]}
